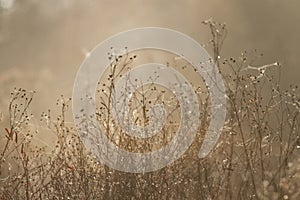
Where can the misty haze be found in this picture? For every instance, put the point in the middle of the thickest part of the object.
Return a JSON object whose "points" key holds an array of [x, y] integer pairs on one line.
{"points": [[254, 44]]}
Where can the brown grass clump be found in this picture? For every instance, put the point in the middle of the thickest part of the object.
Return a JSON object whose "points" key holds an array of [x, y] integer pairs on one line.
{"points": [[257, 156]]}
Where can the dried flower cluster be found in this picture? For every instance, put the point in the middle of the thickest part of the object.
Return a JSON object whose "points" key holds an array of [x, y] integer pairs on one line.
{"points": [[257, 156]]}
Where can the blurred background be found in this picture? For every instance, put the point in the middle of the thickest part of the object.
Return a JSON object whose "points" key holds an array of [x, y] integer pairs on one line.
{"points": [[44, 42]]}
